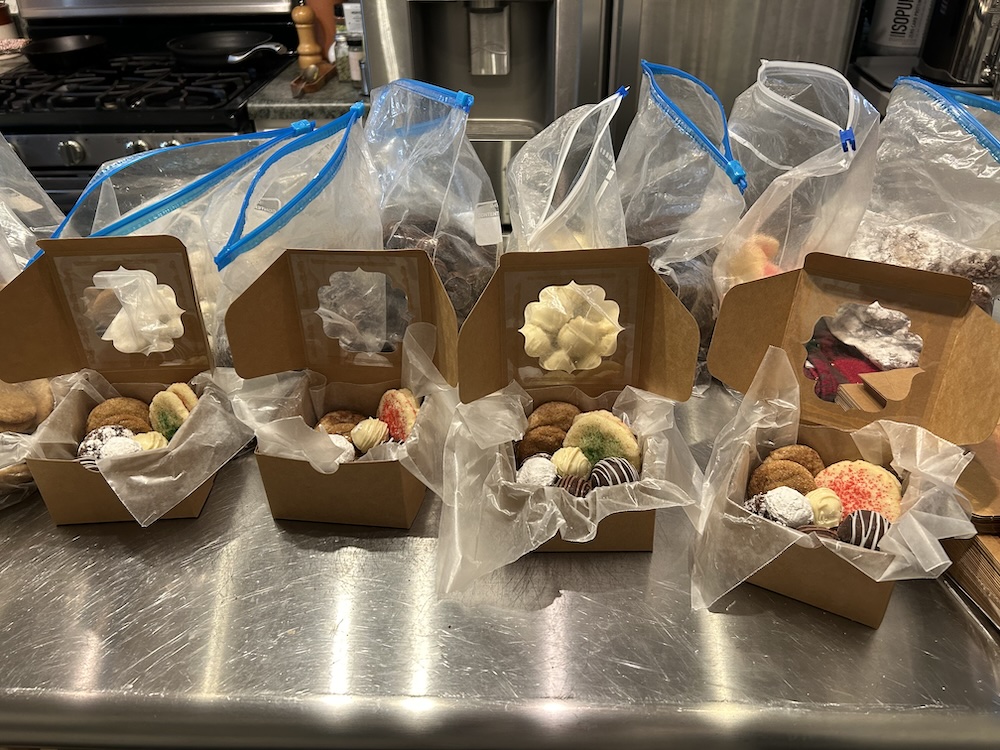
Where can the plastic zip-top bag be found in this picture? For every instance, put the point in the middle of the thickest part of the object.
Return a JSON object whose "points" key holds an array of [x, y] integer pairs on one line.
{"points": [[682, 190], [27, 214], [179, 213], [808, 141], [936, 200], [562, 185], [435, 194], [134, 190], [316, 192]]}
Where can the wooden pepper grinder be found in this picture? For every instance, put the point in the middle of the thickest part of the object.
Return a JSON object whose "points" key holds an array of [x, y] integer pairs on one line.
{"points": [[308, 49]]}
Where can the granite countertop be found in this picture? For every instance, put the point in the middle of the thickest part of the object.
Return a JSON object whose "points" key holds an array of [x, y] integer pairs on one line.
{"points": [[274, 102]]}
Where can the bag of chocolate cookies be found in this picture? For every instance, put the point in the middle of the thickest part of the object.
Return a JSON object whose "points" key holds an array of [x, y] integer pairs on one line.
{"points": [[883, 509], [807, 140], [936, 199], [434, 192], [563, 187], [509, 487]]}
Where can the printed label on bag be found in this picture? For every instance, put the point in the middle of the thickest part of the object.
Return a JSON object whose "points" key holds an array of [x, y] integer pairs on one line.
{"points": [[488, 231]]}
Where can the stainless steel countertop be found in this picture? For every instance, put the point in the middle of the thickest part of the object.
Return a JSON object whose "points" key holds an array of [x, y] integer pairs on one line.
{"points": [[234, 630]]}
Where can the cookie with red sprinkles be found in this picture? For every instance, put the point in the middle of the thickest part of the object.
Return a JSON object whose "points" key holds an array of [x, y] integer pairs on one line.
{"points": [[398, 409], [863, 486]]}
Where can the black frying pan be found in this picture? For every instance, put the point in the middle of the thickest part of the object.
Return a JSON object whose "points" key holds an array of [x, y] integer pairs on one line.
{"points": [[216, 49], [66, 53]]}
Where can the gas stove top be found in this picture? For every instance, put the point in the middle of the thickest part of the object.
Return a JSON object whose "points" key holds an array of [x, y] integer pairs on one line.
{"points": [[132, 92]]}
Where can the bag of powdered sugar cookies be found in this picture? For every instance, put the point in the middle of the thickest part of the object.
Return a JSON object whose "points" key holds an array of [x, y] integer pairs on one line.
{"points": [[936, 200], [807, 141], [893, 498]]}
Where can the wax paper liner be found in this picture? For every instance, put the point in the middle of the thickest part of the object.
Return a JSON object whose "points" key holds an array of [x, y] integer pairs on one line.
{"points": [[489, 520], [421, 454], [149, 484], [733, 545]]}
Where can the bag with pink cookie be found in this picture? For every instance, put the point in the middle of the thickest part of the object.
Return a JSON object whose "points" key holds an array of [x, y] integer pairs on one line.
{"points": [[807, 141], [785, 504]]}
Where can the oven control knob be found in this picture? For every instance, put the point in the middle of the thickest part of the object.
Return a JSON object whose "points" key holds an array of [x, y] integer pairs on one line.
{"points": [[72, 153], [136, 147], [171, 142]]}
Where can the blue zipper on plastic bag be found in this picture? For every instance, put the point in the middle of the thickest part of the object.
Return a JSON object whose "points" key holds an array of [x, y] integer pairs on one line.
{"points": [[237, 247], [725, 159], [188, 193], [954, 103], [94, 184], [438, 93]]}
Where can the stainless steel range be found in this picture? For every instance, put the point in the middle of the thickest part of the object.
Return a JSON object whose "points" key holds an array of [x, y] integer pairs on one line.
{"points": [[65, 125]]}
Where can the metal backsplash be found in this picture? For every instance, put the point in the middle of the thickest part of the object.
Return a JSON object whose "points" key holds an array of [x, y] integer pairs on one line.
{"points": [[723, 41]]}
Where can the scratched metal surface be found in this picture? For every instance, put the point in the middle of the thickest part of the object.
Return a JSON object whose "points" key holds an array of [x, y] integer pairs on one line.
{"points": [[233, 630]]}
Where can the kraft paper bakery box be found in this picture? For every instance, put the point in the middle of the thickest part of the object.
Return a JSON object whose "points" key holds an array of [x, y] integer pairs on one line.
{"points": [[275, 326], [953, 392], [48, 327], [656, 351]]}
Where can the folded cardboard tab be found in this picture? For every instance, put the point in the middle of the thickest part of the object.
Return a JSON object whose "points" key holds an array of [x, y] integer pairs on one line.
{"points": [[44, 313], [274, 327], [47, 317], [957, 396], [657, 350]]}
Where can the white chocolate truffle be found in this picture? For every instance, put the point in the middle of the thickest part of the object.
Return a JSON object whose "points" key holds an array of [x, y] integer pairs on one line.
{"points": [[369, 433], [827, 508], [787, 506], [590, 362], [558, 360], [537, 471], [578, 337], [570, 462], [151, 441], [345, 445], [605, 312], [537, 343], [608, 344], [567, 298], [545, 317]]}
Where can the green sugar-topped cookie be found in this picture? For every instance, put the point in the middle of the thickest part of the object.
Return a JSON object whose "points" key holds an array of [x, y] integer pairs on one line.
{"points": [[600, 434]]}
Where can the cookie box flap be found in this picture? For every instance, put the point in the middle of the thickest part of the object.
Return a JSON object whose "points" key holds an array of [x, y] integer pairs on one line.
{"points": [[124, 306], [946, 381], [341, 313], [598, 320]]}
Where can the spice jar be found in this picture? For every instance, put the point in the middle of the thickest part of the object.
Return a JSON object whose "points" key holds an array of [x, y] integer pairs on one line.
{"points": [[341, 56], [355, 54]]}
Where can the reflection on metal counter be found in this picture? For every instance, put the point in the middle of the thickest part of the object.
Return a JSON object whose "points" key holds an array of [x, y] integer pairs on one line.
{"points": [[525, 61], [236, 630]]}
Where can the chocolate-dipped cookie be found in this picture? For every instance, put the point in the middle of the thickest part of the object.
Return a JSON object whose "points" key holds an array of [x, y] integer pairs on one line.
{"points": [[575, 485], [864, 528]]}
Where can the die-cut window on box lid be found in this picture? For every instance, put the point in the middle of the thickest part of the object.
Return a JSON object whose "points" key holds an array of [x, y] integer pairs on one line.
{"points": [[863, 356], [364, 311], [571, 328], [132, 310]]}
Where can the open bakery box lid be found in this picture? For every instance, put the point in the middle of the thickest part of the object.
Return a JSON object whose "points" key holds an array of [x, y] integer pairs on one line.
{"points": [[55, 315], [955, 393], [289, 317], [656, 349]]}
